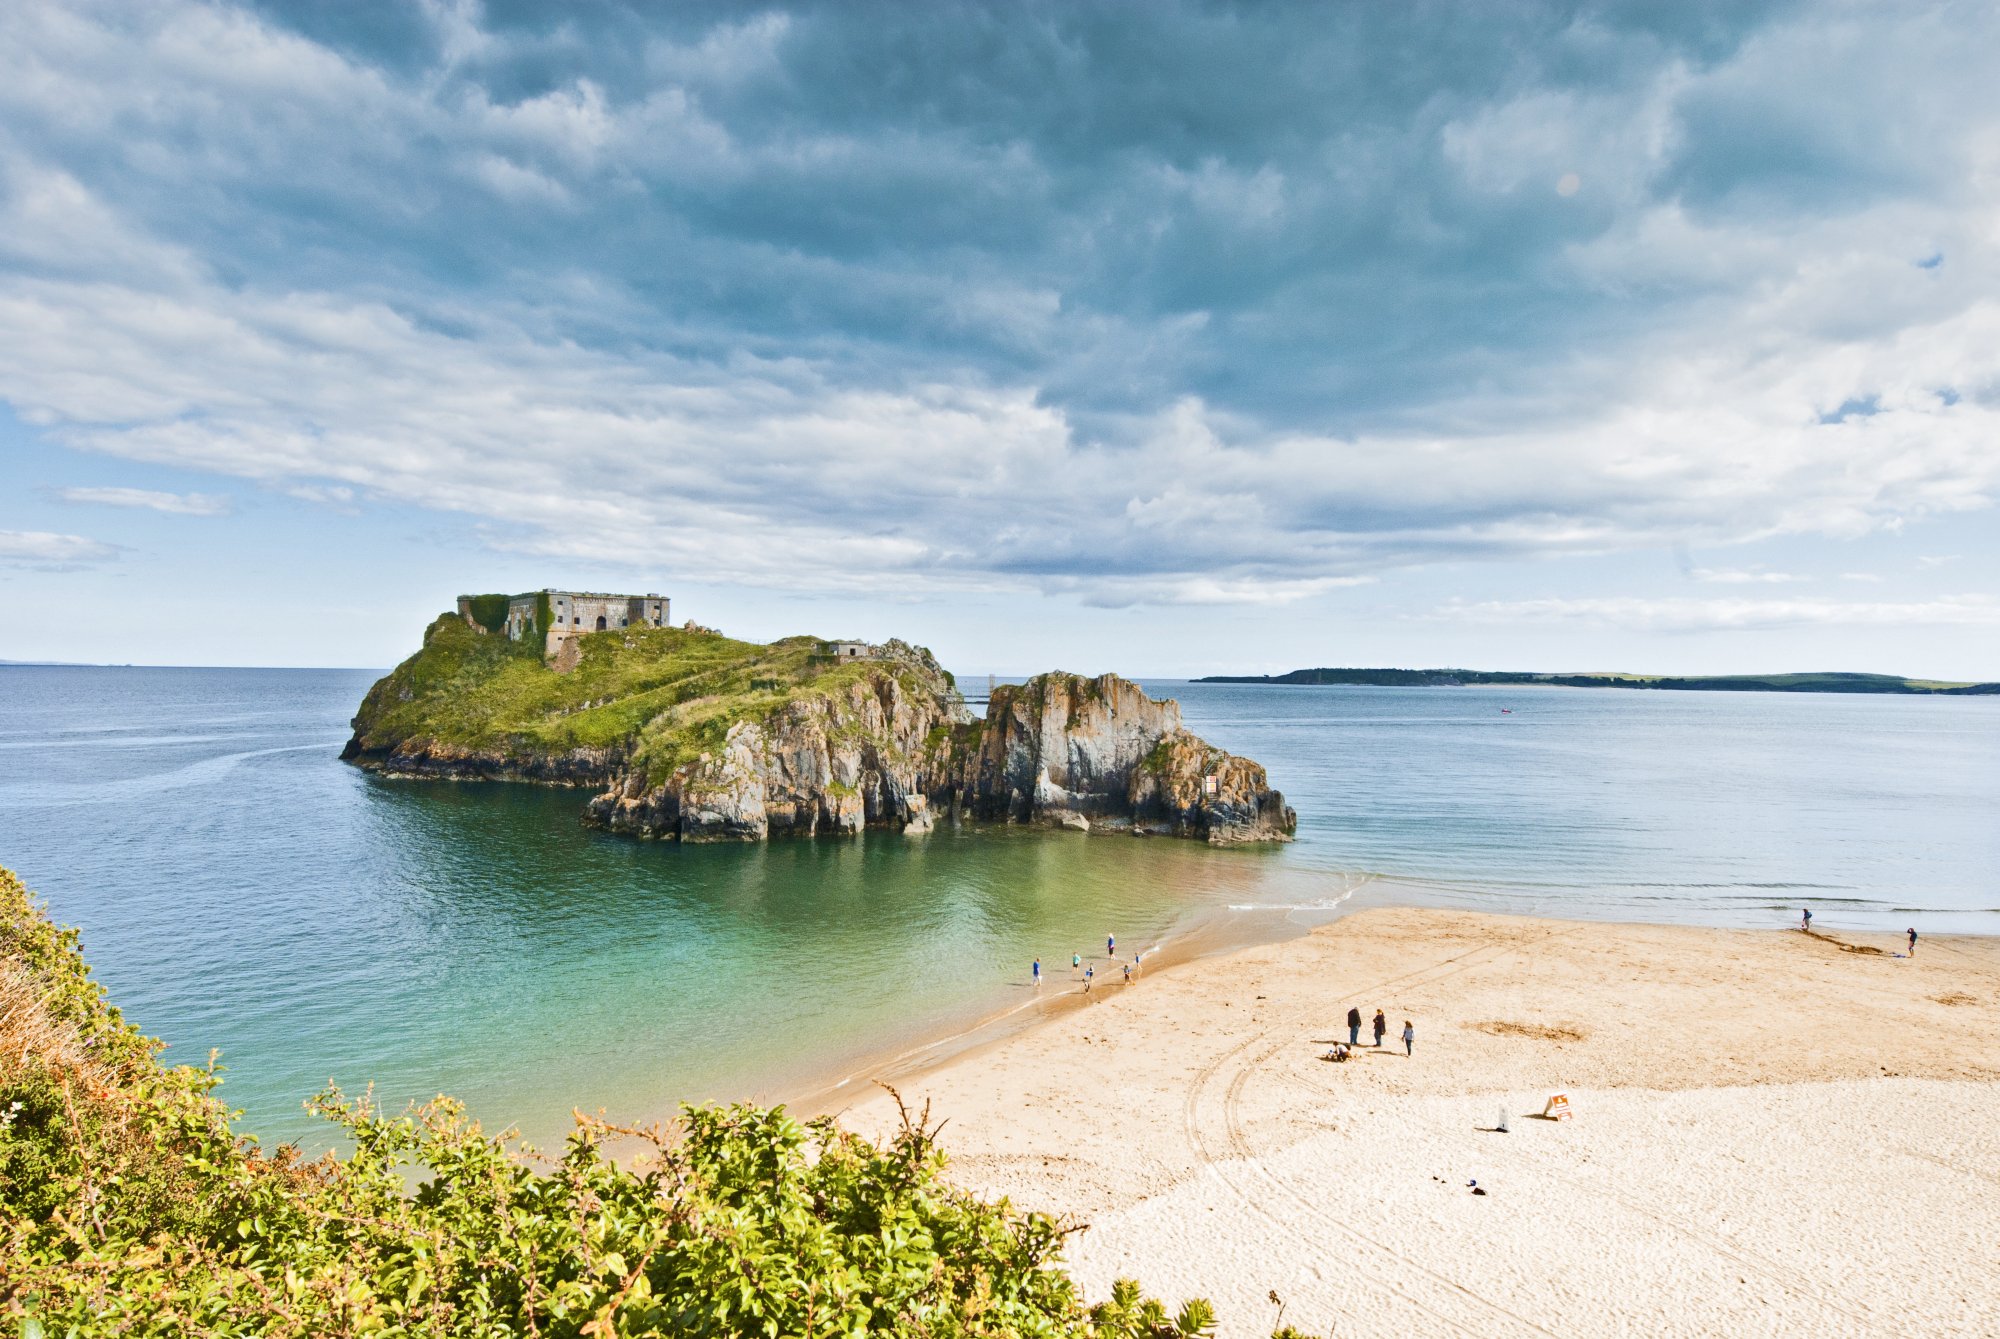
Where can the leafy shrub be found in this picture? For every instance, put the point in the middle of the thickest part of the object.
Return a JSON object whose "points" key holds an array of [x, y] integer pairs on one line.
{"points": [[490, 611], [130, 1205]]}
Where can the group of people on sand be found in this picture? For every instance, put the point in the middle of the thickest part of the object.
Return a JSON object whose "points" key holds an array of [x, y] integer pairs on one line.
{"points": [[1805, 923], [1076, 964], [1381, 1027]]}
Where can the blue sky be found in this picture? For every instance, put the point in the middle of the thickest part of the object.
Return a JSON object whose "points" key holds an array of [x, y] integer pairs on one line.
{"points": [[1171, 339]]}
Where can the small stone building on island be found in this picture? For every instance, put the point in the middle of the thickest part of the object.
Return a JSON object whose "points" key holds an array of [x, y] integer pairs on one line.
{"points": [[568, 614]]}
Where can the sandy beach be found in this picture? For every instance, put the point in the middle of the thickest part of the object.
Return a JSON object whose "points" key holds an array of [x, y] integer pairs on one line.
{"points": [[1772, 1133]]}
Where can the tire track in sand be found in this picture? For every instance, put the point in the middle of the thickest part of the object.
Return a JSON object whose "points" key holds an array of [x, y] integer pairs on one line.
{"points": [[1445, 1299], [1769, 1270]]}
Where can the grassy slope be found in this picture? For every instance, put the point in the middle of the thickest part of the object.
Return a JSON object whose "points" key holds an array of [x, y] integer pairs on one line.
{"points": [[664, 694]]}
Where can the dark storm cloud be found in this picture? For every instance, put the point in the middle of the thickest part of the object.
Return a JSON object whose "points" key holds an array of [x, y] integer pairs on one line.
{"points": [[1133, 295]]}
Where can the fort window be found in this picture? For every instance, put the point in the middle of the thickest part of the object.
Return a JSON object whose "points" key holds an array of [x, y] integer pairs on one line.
{"points": [[600, 623]]}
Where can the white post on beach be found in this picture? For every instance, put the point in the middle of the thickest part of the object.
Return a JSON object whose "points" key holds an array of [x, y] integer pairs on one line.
{"points": [[1501, 1125]]}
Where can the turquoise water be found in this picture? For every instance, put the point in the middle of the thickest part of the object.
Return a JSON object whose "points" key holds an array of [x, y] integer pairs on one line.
{"points": [[241, 888]]}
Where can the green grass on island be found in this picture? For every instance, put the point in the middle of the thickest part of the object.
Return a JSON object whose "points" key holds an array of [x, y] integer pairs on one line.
{"points": [[1817, 682], [663, 696]]}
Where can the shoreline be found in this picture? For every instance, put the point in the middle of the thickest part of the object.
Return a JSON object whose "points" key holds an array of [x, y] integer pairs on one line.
{"points": [[1769, 1126], [1204, 939]]}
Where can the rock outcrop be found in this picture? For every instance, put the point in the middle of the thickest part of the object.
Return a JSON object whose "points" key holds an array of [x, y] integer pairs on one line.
{"points": [[1098, 754], [435, 760], [692, 737], [835, 763]]}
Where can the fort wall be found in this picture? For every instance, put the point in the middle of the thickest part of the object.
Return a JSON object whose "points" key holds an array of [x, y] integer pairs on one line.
{"points": [[572, 613]]}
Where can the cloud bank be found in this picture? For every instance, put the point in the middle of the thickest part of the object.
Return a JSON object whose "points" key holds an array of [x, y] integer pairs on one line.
{"points": [[51, 552], [1633, 614], [1162, 303], [173, 504]]}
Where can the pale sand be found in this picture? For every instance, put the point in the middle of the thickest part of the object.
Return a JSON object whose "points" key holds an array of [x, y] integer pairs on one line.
{"points": [[1772, 1135]]}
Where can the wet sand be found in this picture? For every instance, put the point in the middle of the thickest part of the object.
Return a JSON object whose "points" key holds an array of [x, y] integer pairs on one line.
{"points": [[1773, 1133]]}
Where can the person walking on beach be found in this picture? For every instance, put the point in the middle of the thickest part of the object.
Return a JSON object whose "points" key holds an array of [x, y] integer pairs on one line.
{"points": [[1381, 1026], [1088, 972], [1353, 1025], [1913, 941], [1805, 919], [1409, 1037], [1128, 973], [1038, 972]]}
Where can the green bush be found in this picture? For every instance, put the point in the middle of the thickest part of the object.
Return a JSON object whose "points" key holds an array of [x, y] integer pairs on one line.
{"points": [[490, 612], [130, 1205]]}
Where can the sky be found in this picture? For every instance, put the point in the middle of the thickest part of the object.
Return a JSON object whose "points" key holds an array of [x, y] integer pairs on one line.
{"points": [[1169, 339]]}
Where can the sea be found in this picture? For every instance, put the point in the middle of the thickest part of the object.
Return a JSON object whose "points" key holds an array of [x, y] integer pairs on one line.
{"points": [[242, 890]]}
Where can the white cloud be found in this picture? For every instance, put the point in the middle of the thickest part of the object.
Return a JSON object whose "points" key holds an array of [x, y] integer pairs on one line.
{"points": [[1634, 614], [177, 504], [339, 497], [1744, 576], [42, 549], [569, 415]]}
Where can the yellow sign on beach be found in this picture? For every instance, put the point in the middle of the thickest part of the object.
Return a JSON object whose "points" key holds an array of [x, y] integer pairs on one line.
{"points": [[1558, 1107]]}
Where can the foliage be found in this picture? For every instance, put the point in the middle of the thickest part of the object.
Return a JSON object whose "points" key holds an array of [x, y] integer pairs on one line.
{"points": [[130, 1205], [489, 611]]}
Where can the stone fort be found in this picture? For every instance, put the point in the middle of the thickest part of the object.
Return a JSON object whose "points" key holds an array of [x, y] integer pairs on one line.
{"points": [[571, 613]]}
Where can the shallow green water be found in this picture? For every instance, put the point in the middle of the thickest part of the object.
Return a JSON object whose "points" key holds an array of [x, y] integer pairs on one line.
{"points": [[239, 887]]}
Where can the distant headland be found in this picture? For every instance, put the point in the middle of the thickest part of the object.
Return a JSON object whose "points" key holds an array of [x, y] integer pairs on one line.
{"points": [[1820, 682], [693, 736]]}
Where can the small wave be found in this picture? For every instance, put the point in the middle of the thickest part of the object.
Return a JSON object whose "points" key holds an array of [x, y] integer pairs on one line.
{"points": [[1321, 904]]}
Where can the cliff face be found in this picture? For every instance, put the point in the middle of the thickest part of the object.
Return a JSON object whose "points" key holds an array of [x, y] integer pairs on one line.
{"points": [[1099, 754], [836, 763], [433, 759], [692, 737]]}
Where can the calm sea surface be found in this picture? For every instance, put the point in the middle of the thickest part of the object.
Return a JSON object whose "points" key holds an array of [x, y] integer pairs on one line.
{"points": [[240, 888]]}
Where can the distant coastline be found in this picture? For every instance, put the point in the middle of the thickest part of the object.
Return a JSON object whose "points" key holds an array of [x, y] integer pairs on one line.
{"points": [[1822, 682]]}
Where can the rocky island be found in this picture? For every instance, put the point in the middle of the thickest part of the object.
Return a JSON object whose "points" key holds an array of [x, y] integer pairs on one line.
{"points": [[689, 735]]}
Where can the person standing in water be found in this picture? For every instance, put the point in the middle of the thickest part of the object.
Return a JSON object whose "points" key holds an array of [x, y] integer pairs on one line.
{"points": [[1805, 919], [1409, 1038], [1038, 971], [1088, 972], [1110, 946], [1913, 941], [1128, 973], [1353, 1025], [1075, 961], [1381, 1026]]}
